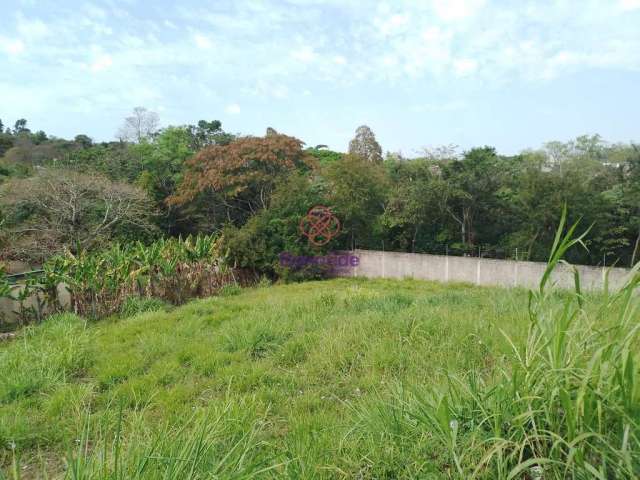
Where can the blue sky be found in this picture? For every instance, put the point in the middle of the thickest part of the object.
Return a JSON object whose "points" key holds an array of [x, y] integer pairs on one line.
{"points": [[512, 74]]}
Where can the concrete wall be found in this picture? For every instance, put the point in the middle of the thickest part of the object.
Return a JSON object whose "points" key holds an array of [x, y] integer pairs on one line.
{"points": [[8, 307], [480, 271]]}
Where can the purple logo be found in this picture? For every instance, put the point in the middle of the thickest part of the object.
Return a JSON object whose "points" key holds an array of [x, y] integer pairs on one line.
{"points": [[333, 260]]}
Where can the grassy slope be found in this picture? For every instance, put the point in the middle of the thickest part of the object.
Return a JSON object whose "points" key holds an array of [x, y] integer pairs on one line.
{"points": [[286, 375]]}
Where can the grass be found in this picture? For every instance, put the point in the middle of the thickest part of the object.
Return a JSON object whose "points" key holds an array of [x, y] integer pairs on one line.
{"points": [[347, 378]]}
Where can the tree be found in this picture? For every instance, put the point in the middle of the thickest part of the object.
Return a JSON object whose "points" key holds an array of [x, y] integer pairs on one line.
{"points": [[472, 184], [58, 209], [414, 215], [141, 125], [20, 127], [208, 133], [6, 142], [83, 140], [365, 145], [239, 177], [630, 199], [357, 193], [39, 137], [162, 163], [324, 156], [276, 229], [1, 126]]}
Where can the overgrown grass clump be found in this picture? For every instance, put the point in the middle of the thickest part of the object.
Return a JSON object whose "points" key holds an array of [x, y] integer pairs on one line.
{"points": [[565, 404], [345, 378]]}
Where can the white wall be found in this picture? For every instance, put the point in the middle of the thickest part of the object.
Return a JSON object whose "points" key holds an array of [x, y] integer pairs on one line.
{"points": [[480, 271]]}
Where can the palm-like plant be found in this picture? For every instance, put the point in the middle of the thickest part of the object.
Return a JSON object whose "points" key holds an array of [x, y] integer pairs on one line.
{"points": [[172, 269]]}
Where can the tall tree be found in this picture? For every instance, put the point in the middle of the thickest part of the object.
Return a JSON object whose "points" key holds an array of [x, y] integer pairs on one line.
{"points": [[20, 126], [357, 193], [83, 140], [240, 176], [162, 162], [364, 145], [473, 182], [414, 214], [208, 133], [141, 125]]}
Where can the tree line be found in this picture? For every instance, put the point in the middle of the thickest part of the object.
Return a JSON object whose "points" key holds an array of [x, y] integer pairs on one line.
{"points": [[76, 195]]}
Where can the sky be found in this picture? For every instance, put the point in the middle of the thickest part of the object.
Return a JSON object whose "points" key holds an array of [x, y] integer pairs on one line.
{"points": [[511, 74]]}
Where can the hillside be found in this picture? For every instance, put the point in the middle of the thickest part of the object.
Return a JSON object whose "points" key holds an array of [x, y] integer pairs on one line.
{"points": [[296, 381], [295, 365]]}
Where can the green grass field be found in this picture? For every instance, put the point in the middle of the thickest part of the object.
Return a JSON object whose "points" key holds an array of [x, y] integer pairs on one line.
{"points": [[335, 379]]}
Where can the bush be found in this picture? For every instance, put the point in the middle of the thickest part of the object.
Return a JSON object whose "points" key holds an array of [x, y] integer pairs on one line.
{"points": [[259, 243]]}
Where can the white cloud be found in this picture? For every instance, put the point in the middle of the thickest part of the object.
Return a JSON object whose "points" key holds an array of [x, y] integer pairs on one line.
{"points": [[629, 4], [393, 23], [340, 60], [12, 47], [271, 50], [202, 41], [31, 29], [101, 63], [456, 9], [464, 66], [304, 54], [232, 109]]}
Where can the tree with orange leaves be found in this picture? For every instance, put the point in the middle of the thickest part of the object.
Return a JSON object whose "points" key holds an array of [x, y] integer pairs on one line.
{"points": [[237, 179]]}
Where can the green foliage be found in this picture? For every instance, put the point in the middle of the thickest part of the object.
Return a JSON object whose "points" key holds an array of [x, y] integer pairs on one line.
{"points": [[286, 367], [566, 404], [275, 230], [324, 156], [173, 270], [202, 179], [6, 142], [357, 189], [414, 213], [126, 278], [372, 379]]}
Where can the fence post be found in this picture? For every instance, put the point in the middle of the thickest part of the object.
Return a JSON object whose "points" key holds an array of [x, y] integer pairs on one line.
{"points": [[478, 268]]}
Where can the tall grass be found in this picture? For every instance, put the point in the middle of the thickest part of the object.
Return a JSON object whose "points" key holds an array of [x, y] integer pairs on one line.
{"points": [[348, 378], [222, 443], [566, 405]]}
